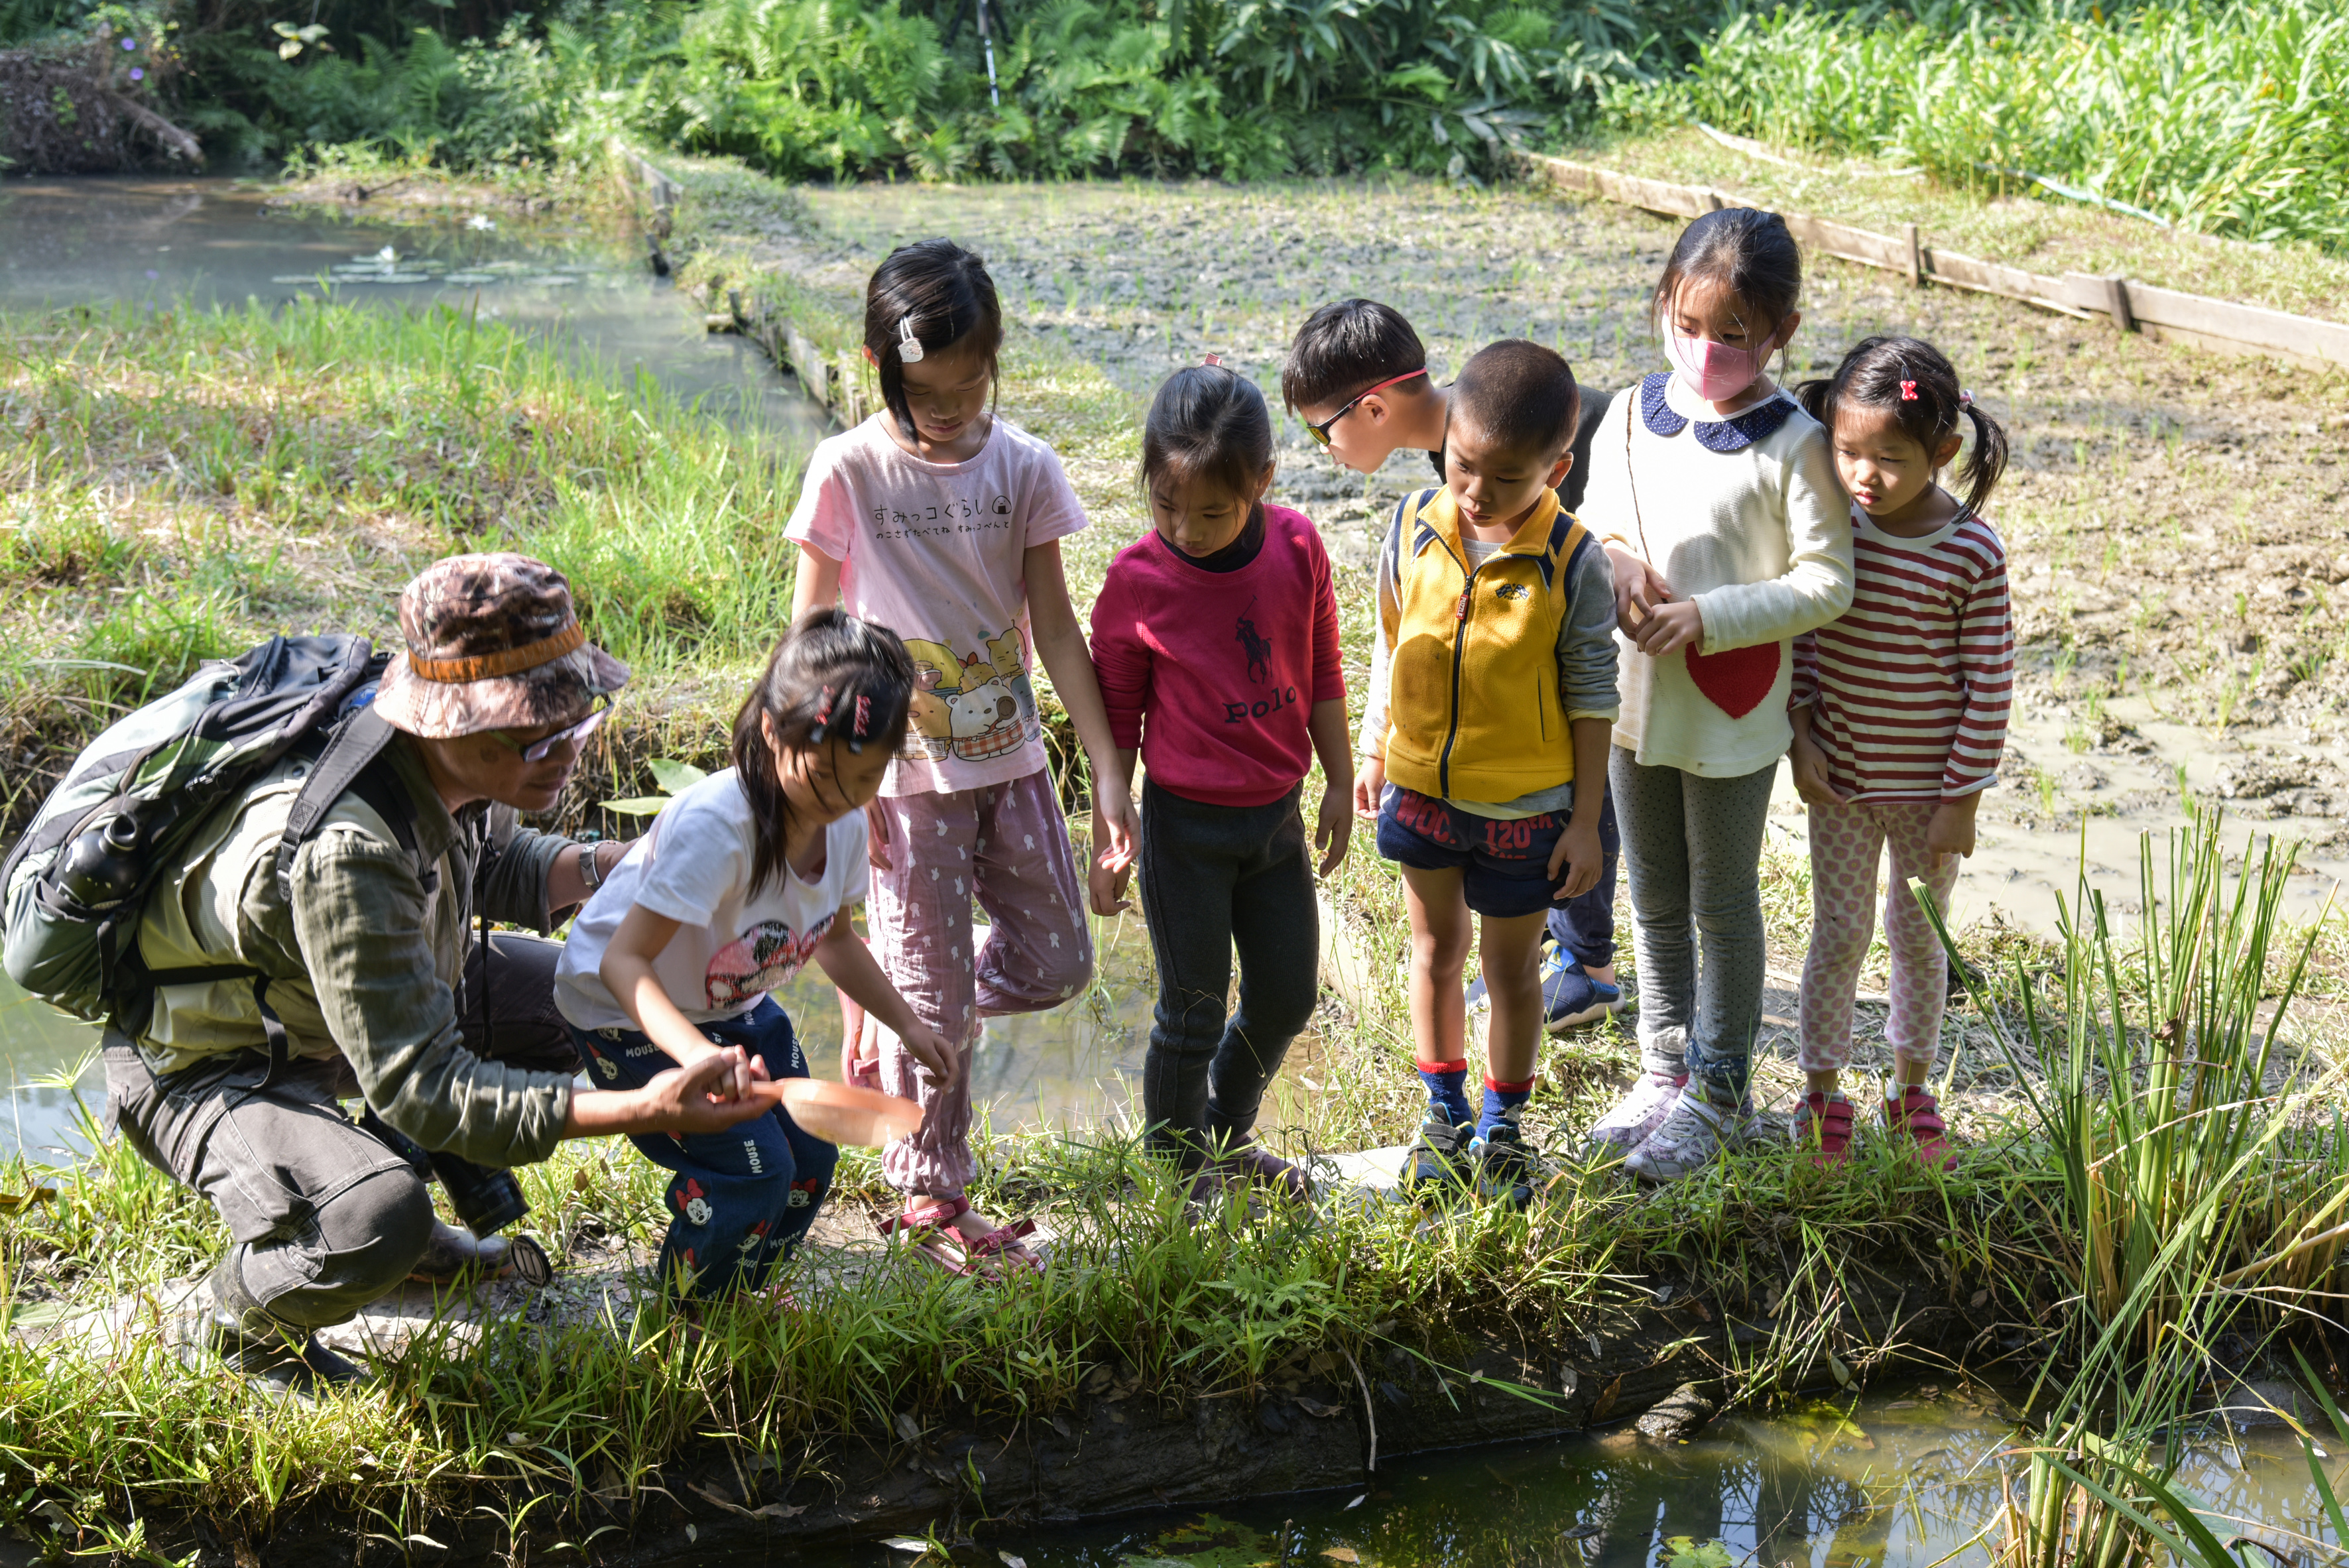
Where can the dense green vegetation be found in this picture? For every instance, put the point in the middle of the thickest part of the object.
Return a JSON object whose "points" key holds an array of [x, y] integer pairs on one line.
{"points": [[2218, 116], [2222, 118]]}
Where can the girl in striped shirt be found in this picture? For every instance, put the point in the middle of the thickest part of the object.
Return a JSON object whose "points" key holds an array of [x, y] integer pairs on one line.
{"points": [[1900, 712]]}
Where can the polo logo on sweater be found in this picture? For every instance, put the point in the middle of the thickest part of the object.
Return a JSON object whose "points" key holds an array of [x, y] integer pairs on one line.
{"points": [[1262, 708], [1511, 591], [1259, 647]]}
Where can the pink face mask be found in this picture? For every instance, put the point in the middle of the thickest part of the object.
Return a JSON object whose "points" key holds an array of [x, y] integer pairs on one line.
{"points": [[1715, 371]]}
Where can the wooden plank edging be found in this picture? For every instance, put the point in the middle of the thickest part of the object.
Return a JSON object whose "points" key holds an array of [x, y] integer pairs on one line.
{"points": [[2221, 325]]}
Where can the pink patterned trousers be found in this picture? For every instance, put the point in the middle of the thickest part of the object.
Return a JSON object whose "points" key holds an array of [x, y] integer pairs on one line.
{"points": [[1847, 843], [1007, 847]]}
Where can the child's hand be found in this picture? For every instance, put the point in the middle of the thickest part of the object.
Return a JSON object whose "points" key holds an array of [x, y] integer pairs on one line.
{"points": [[930, 1048], [1951, 829], [1579, 853], [709, 1095], [1369, 782], [876, 840], [1105, 886], [1811, 781], [1113, 833], [1639, 588], [1669, 628], [1333, 827]]}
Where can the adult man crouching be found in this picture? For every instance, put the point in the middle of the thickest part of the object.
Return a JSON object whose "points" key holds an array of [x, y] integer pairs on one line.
{"points": [[374, 986]]}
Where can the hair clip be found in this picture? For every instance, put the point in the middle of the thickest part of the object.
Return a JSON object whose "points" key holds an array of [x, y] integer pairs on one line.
{"points": [[1213, 359], [824, 713], [1908, 391], [909, 347], [864, 714]]}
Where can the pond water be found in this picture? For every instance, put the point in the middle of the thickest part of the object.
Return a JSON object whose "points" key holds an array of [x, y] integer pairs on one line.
{"points": [[1900, 1480], [218, 242], [1075, 1066]]}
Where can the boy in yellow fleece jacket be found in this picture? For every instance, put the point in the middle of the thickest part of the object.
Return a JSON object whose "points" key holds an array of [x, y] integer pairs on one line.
{"points": [[1492, 691]]}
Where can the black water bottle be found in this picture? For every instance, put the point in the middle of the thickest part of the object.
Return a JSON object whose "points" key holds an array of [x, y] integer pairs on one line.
{"points": [[102, 865]]}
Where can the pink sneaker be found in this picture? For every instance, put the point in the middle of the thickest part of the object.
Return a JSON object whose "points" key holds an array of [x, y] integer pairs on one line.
{"points": [[1637, 1114], [1823, 1125], [1917, 1116]]}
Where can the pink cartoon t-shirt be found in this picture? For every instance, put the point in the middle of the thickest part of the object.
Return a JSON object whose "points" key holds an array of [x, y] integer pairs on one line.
{"points": [[732, 946], [935, 553]]}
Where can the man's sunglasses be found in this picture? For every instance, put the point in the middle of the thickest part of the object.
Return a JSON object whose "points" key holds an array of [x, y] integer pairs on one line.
{"points": [[1320, 432], [537, 751]]}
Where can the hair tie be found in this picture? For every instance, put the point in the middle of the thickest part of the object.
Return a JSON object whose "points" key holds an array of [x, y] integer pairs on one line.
{"points": [[1908, 391], [909, 347], [1215, 359], [1965, 397]]}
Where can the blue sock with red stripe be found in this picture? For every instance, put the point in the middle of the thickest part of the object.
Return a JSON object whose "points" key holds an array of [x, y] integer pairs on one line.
{"points": [[1500, 1099], [1447, 1091]]}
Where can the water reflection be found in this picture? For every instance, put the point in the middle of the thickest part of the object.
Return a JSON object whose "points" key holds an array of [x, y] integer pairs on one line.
{"points": [[1900, 1480]]}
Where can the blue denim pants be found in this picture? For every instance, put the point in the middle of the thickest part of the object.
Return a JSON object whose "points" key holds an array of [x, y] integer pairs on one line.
{"points": [[742, 1198], [1584, 927]]}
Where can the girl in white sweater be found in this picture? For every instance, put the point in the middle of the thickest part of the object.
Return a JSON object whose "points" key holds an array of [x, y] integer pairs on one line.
{"points": [[1729, 535]]}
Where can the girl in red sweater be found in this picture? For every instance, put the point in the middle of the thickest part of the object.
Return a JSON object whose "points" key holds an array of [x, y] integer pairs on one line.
{"points": [[1215, 638]]}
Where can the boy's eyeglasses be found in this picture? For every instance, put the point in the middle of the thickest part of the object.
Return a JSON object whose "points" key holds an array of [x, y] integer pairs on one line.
{"points": [[1320, 432], [538, 750]]}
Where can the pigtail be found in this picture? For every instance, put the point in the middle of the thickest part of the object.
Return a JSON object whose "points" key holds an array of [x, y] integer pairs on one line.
{"points": [[1817, 398], [1987, 461]]}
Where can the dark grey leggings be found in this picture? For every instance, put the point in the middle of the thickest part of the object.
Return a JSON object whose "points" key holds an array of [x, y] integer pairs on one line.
{"points": [[1212, 877], [1692, 852]]}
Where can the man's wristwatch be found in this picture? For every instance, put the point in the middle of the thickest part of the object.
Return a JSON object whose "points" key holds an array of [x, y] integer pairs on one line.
{"points": [[591, 866]]}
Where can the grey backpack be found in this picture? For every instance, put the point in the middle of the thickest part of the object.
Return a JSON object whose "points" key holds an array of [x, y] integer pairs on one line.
{"points": [[73, 888]]}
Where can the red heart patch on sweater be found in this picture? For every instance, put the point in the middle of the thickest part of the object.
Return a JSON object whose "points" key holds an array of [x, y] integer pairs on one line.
{"points": [[1735, 680]]}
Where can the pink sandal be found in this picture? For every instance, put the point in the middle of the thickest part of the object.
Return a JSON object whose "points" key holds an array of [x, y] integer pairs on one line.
{"points": [[927, 1228]]}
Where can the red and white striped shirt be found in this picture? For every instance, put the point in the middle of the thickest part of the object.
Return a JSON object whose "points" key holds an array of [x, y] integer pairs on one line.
{"points": [[1912, 685]]}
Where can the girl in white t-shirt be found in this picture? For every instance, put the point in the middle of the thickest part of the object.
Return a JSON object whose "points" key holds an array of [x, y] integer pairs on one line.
{"points": [[1716, 496], [742, 880], [943, 520]]}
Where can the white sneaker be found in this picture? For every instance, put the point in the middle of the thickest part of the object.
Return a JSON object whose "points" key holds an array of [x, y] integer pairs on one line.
{"points": [[1694, 1134], [1637, 1114]]}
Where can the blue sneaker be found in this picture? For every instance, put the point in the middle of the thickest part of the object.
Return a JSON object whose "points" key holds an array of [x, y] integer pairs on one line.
{"points": [[1571, 999]]}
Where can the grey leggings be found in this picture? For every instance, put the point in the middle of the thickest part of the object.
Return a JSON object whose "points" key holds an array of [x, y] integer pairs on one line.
{"points": [[1693, 848]]}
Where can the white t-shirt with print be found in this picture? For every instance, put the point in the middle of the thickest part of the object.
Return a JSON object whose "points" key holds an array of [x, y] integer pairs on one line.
{"points": [[937, 554], [731, 946]]}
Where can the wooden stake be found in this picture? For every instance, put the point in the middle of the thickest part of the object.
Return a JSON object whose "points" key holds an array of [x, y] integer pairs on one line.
{"points": [[1916, 255], [2118, 302]]}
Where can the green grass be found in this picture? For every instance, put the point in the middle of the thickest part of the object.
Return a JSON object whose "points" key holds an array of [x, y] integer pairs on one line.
{"points": [[188, 481], [2219, 117]]}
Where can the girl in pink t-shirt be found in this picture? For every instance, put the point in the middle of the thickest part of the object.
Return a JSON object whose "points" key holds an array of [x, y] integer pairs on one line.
{"points": [[942, 522], [1216, 638]]}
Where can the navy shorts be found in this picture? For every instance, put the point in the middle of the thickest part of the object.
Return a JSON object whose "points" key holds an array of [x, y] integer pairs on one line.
{"points": [[1506, 863]]}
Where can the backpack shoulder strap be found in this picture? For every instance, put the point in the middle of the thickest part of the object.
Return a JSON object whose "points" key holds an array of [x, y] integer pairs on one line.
{"points": [[349, 764]]}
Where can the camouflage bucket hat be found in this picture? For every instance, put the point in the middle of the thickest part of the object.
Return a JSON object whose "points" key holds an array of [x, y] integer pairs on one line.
{"points": [[493, 644]]}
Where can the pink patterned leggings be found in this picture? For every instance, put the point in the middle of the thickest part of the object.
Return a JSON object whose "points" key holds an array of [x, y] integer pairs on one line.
{"points": [[1006, 846], [1848, 843]]}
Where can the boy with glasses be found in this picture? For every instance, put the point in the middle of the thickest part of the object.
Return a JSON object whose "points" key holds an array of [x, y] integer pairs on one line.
{"points": [[1356, 376]]}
